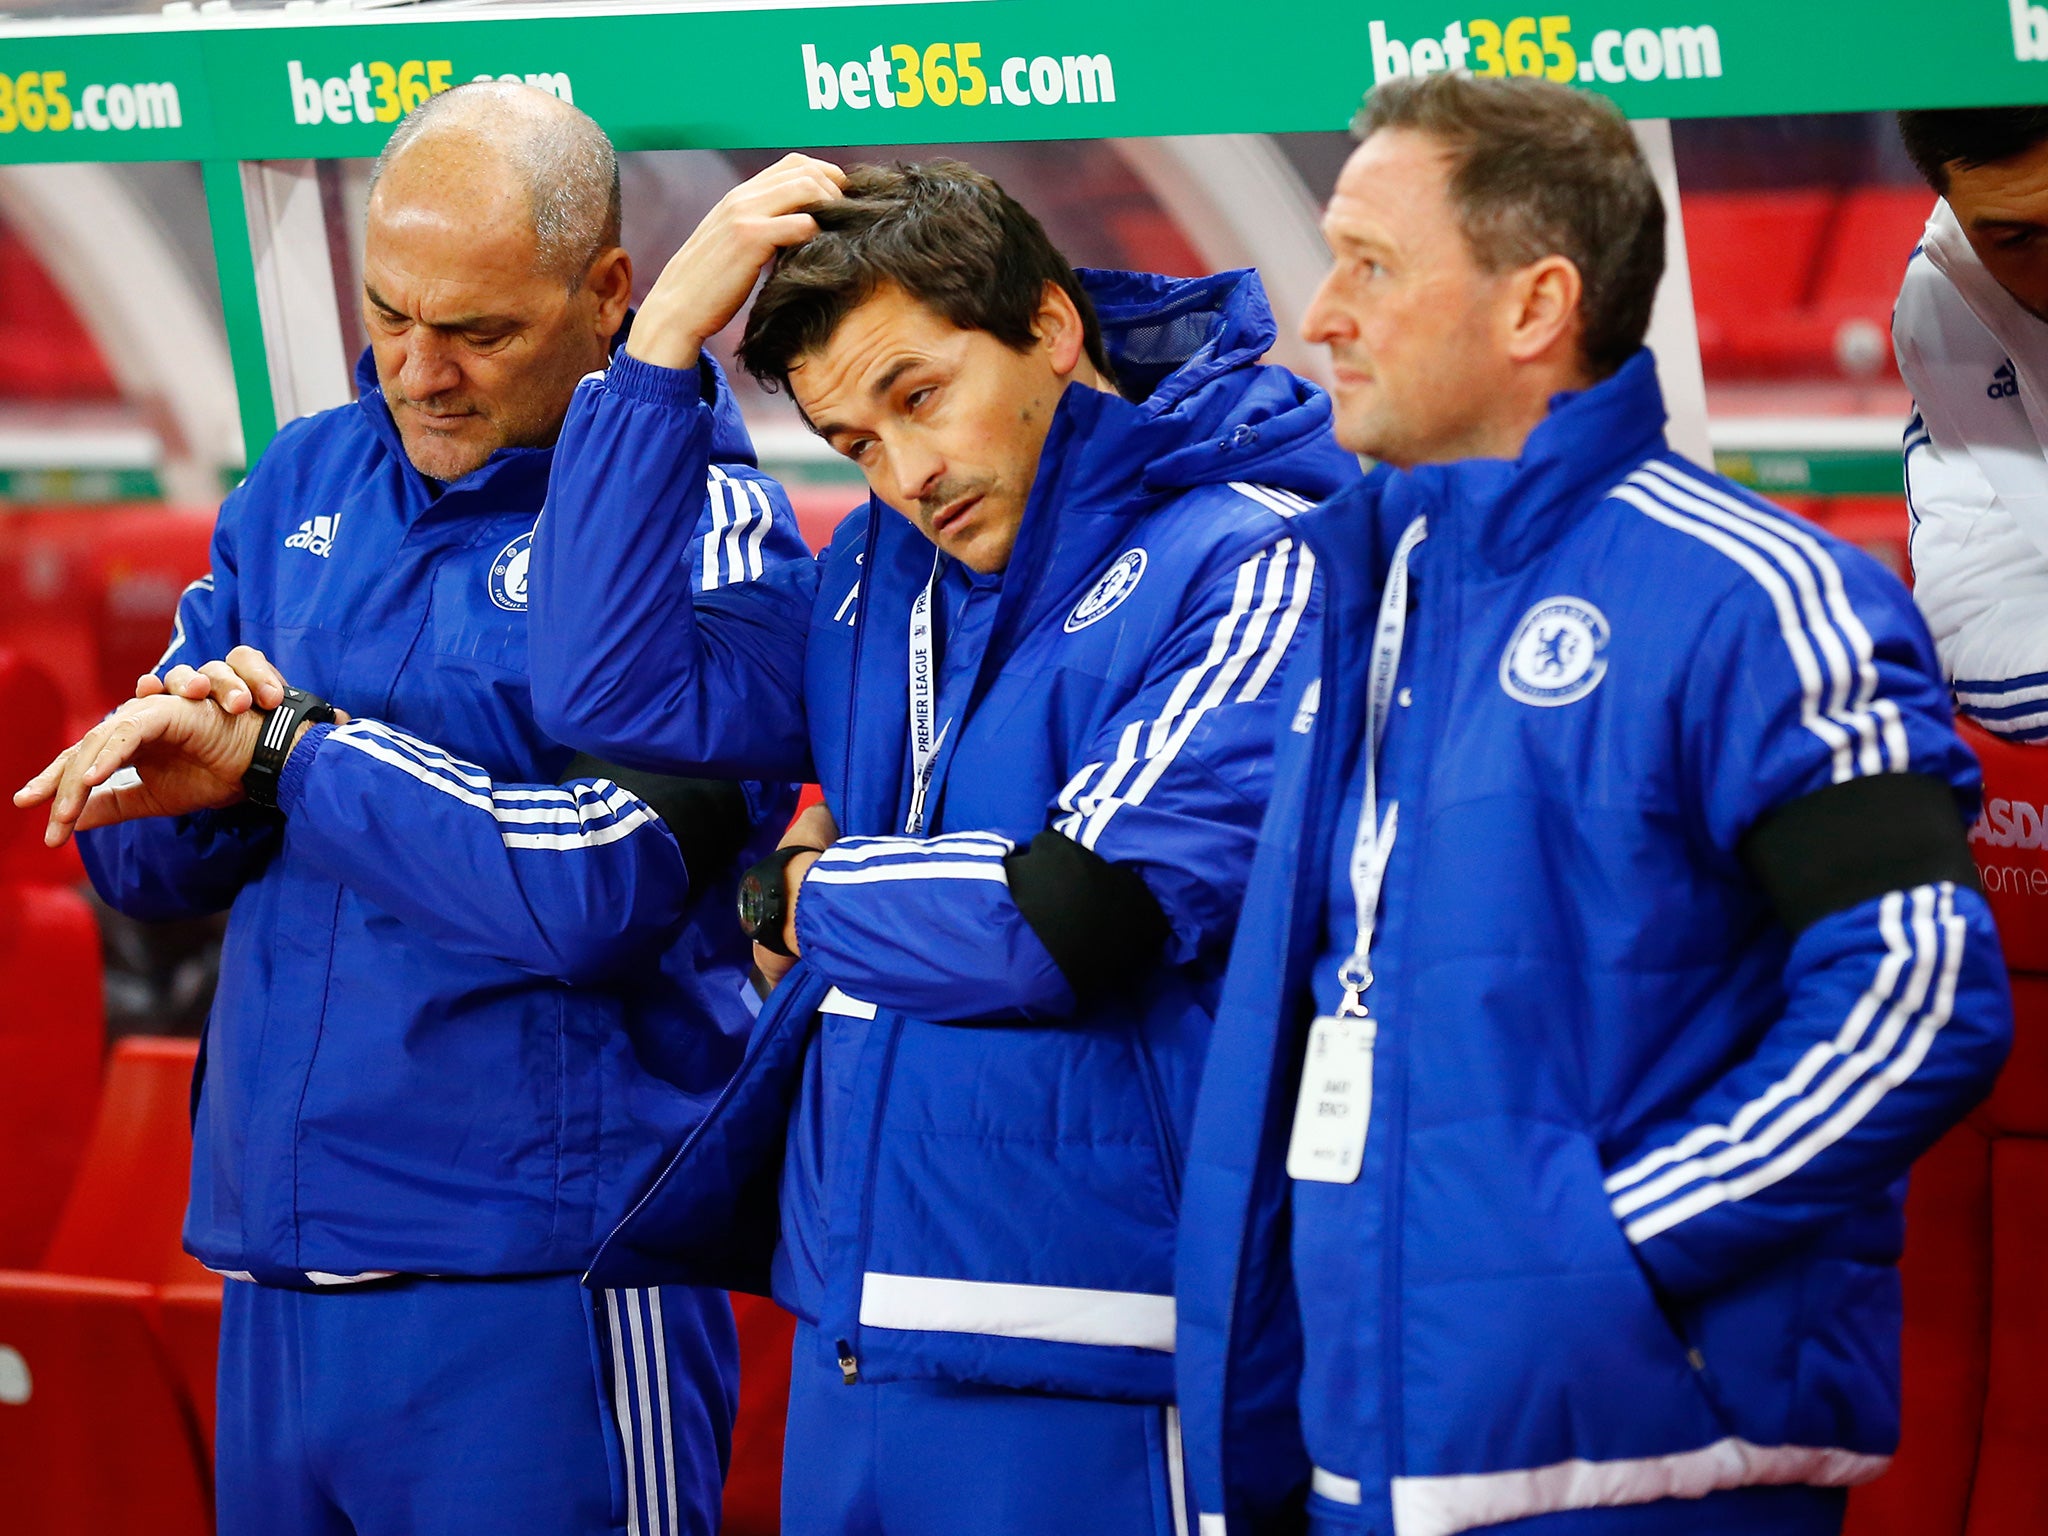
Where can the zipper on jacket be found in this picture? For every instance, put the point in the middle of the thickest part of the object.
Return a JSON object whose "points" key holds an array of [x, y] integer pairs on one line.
{"points": [[1442, 672], [860, 635], [849, 1364], [1162, 1118]]}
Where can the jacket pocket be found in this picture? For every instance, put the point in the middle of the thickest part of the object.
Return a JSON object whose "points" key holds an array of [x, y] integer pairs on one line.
{"points": [[1520, 1291]]}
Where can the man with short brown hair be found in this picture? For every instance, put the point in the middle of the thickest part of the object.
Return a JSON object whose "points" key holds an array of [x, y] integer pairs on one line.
{"points": [[1034, 676], [1613, 946]]}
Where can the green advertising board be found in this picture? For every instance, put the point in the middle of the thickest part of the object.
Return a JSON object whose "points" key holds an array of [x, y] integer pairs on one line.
{"points": [[307, 83]]}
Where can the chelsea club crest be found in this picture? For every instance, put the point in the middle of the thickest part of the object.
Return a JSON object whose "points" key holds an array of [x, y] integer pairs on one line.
{"points": [[1116, 584], [1558, 654], [508, 574]]}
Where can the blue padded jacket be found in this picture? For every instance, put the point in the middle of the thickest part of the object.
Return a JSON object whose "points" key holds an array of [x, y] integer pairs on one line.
{"points": [[1630, 1200], [464, 1015], [992, 1200]]}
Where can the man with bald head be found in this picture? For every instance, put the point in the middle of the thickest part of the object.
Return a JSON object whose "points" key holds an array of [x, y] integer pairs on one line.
{"points": [[474, 991]]}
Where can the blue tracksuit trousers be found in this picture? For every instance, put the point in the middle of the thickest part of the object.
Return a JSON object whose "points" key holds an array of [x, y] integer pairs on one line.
{"points": [[454, 1407]]}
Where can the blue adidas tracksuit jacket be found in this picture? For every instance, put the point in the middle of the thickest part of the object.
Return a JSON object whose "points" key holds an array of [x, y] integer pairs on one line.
{"points": [[464, 1015], [982, 1179], [1630, 1201]]}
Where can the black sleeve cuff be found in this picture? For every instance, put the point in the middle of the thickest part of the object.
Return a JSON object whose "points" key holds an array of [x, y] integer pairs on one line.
{"points": [[707, 817], [1850, 843], [1099, 921]]}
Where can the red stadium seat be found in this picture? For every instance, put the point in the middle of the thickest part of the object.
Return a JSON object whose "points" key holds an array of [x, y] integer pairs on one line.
{"points": [[91, 592], [1874, 234], [52, 1029], [1800, 283], [753, 1483], [96, 1433], [128, 1203], [190, 1324], [105, 1395], [46, 353], [1974, 1415], [37, 730], [51, 1039]]}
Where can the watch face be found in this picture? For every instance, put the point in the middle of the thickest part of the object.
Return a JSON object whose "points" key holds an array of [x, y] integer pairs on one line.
{"points": [[756, 903]]}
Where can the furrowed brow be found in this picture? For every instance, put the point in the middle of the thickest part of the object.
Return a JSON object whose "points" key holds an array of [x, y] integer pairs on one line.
{"points": [[476, 322], [891, 375]]}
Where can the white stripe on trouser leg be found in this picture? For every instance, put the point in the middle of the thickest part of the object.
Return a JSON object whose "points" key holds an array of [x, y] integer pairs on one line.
{"points": [[668, 1432], [1176, 1472], [622, 1407], [649, 1474], [1211, 1525]]}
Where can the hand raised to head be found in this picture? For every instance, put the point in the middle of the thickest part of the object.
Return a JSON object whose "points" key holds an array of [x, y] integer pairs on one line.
{"points": [[706, 282]]}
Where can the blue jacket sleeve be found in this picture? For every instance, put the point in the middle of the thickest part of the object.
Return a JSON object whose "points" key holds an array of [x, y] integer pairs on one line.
{"points": [[1897, 1013], [165, 869], [574, 881], [671, 593], [1898, 1019], [1173, 785]]}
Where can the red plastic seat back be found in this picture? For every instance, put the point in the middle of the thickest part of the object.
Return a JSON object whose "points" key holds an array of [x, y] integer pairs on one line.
{"points": [[52, 1037], [189, 1323], [753, 1482], [36, 732], [127, 1205], [96, 1434]]}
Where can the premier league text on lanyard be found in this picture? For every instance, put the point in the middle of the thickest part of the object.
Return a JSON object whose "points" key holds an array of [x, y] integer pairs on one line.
{"points": [[1335, 1106], [926, 736]]}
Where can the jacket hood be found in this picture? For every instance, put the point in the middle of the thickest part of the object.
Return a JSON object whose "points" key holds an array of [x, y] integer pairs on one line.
{"points": [[1196, 406]]}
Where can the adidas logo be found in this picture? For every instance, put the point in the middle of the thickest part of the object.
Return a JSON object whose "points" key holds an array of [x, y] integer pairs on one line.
{"points": [[316, 535], [2004, 384]]}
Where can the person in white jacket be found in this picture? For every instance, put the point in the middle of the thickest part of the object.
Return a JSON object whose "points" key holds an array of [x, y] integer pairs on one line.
{"points": [[1971, 335]]}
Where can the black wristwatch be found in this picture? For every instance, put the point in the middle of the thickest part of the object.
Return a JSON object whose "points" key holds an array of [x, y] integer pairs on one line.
{"points": [[274, 742], [764, 898]]}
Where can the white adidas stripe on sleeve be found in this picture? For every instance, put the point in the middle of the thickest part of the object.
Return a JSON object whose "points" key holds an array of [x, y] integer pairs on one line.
{"points": [[1828, 1092]]}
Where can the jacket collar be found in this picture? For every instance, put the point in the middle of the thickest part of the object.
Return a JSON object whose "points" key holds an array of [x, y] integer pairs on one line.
{"points": [[1493, 516], [511, 478]]}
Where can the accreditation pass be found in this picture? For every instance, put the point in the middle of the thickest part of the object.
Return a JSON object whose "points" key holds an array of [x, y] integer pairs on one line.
{"points": [[1328, 1144]]}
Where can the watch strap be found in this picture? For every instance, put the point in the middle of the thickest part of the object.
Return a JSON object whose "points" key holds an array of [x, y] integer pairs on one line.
{"points": [[274, 742]]}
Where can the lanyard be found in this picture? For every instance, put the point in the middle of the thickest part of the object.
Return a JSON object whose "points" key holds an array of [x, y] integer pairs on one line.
{"points": [[1374, 844], [926, 736]]}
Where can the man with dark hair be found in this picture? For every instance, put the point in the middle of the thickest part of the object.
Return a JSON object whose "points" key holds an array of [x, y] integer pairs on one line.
{"points": [[1034, 675], [474, 988], [1971, 335], [1612, 946]]}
